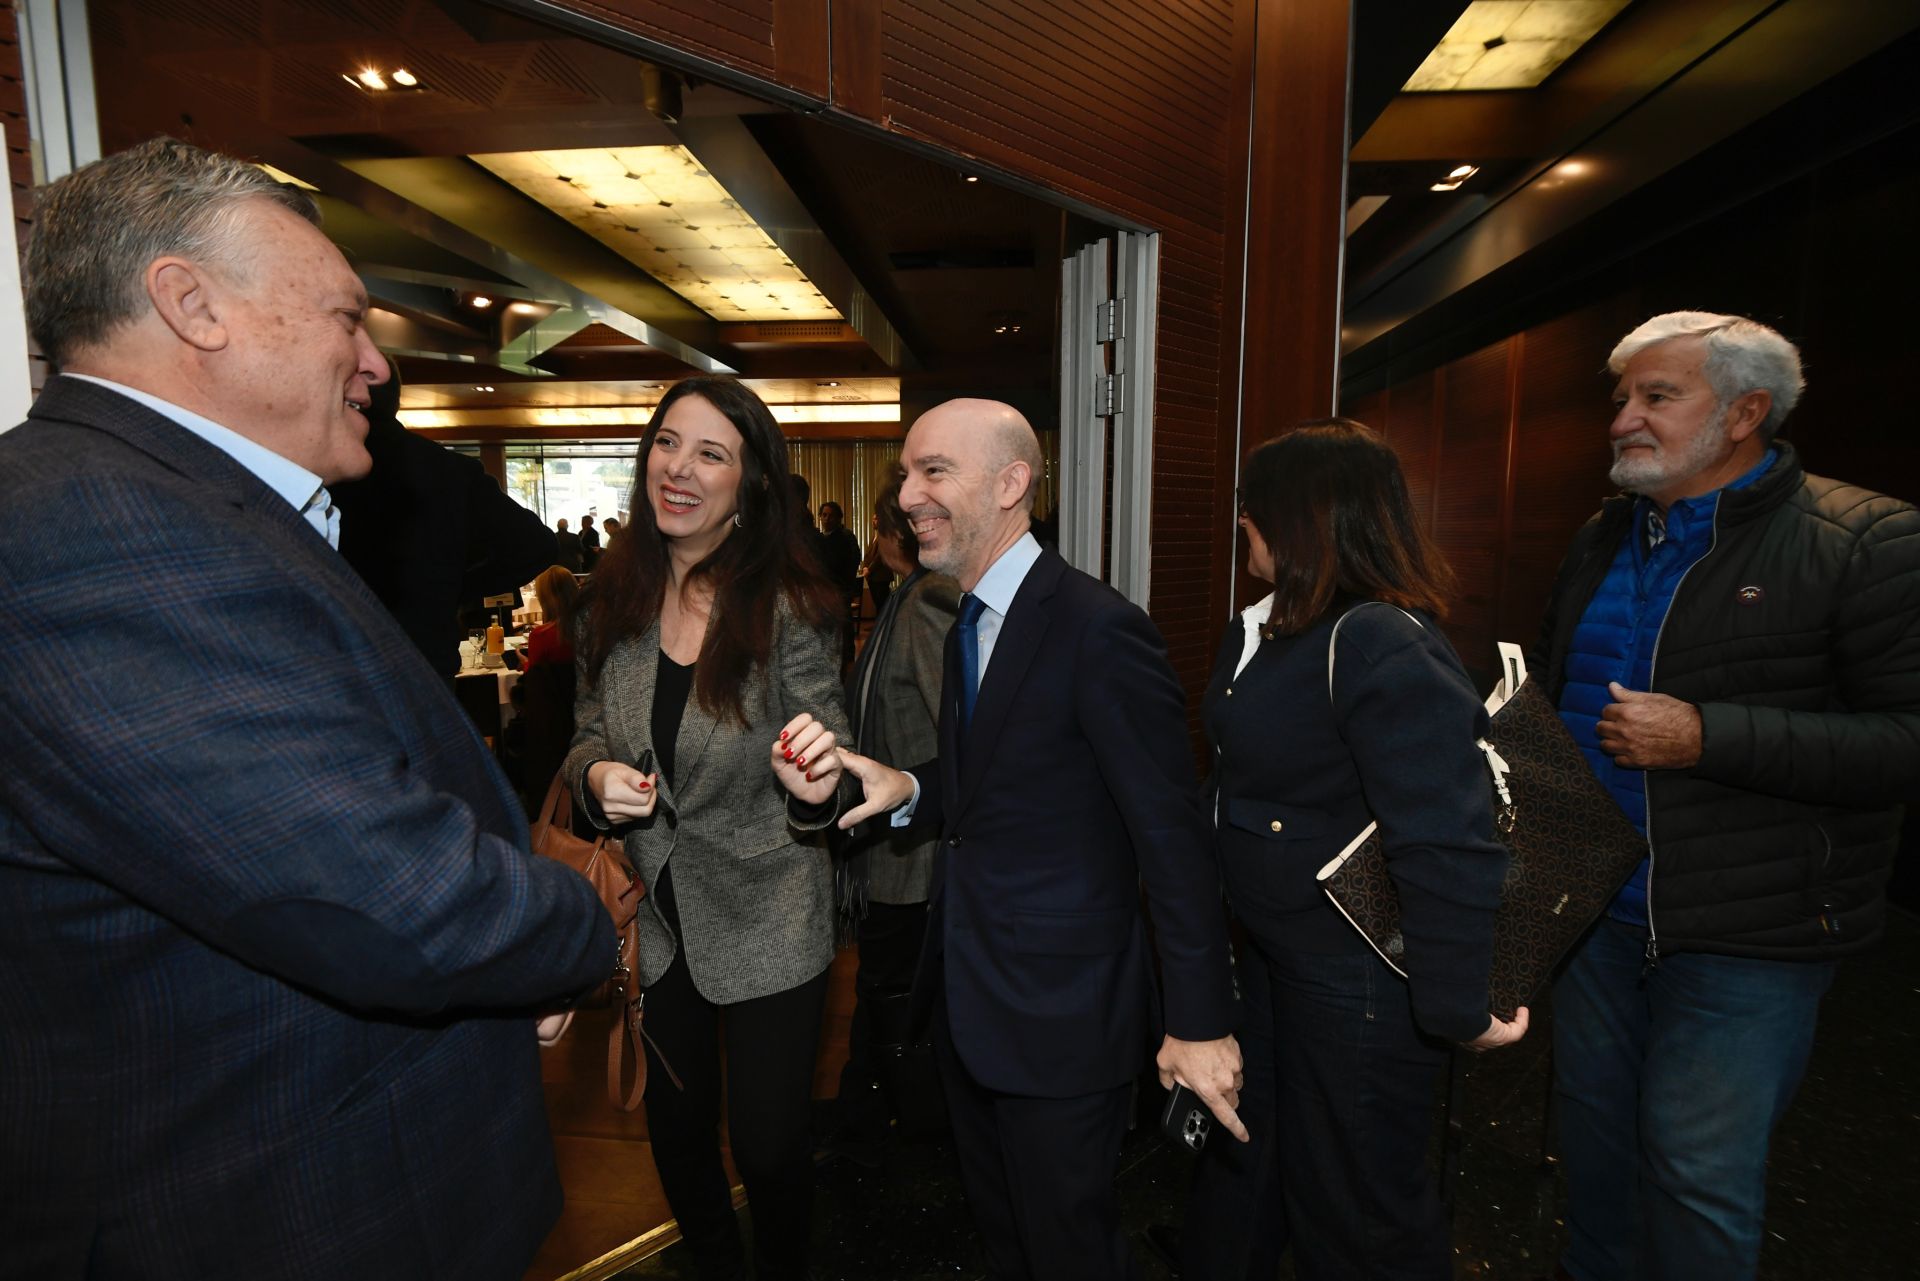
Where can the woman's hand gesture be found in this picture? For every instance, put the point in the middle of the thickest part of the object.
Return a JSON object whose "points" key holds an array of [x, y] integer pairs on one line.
{"points": [[804, 760], [624, 793]]}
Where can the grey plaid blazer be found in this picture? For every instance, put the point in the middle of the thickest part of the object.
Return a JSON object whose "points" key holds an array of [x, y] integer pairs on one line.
{"points": [[754, 891]]}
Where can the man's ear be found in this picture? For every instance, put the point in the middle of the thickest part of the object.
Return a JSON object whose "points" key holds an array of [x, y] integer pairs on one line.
{"points": [[185, 298], [1015, 478], [1746, 414]]}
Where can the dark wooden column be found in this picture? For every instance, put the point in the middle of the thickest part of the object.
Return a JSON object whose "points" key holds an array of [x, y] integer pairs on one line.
{"points": [[1292, 235], [1296, 213]]}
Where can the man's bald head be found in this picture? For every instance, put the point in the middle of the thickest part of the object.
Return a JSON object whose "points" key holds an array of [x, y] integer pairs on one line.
{"points": [[1002, 434], [972, 469]]}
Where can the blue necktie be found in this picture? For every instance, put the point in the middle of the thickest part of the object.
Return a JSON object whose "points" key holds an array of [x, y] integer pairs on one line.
{"points": [[971, 607]]}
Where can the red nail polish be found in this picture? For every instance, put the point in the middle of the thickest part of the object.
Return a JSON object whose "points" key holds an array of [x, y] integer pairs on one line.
{"points": [[809, 776], [802, 762], [789, 753], [645, 786], [783, 736]]}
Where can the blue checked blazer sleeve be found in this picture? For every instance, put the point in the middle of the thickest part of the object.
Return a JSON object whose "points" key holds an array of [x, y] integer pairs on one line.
{"points": [[229, 733]]}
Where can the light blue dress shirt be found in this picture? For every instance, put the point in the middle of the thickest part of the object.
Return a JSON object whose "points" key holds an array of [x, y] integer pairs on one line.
{"points": [[300, 487], [996, 590]]}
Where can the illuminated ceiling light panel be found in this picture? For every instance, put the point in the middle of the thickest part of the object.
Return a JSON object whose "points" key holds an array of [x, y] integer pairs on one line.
{"points": [[282, 176], [657, 208], [1510, 44], [630, 416]]}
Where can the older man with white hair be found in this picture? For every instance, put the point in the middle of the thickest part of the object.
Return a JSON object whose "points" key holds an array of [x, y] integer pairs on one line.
{"points": [[1735, 644]]}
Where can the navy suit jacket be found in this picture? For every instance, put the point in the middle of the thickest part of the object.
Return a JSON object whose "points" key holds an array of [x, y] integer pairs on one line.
{"points": [[269, 927], [1073, 786]]}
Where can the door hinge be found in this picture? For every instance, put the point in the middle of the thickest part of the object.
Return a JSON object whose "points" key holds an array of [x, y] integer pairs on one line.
{"points": [[1106, 395], [1108, 321]]}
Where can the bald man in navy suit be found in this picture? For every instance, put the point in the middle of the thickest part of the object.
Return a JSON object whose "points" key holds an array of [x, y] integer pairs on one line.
{"points": [[1063, 785]]}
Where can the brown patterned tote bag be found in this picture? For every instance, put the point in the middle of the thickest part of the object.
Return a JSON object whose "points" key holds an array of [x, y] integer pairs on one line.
{"points": [[1570, 847]]}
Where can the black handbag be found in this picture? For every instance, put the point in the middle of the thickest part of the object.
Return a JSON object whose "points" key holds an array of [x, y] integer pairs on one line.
{"points": [[1570, 846]]}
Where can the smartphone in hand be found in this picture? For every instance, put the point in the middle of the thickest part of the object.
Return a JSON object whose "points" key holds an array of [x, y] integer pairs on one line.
{"points": [[1185, 1120]]}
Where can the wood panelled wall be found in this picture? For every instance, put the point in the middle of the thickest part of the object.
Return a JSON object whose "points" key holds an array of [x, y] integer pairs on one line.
{"points": [[1135, 110], [1505, 448], [1506, 454]]}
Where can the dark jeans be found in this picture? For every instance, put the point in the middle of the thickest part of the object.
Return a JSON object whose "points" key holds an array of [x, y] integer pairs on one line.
{"points": [[890, 935], [770, 1044], [1038, 1174], [1339, 1103], [1670, 1081]]}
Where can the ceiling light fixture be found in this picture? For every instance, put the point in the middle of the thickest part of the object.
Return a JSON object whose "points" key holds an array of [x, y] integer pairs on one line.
{"points": [[480, 388], [1461, 173], [1444, 186], [524, 308], [481, 301], [969, 177], [1510, 44], [371, 79], [629, 415], [831, 382], [658, 208]]}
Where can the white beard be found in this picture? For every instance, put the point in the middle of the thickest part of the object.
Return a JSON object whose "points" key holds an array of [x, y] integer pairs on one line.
{"points": [[1663, 466]]}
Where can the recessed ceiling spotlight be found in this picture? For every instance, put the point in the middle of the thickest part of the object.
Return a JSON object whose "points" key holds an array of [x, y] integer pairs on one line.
{"points": [[481, 301], [477, 387], [969, 177], [1444, 186], [404, 78], [371, 79], [523, 308], [831, 382], [1462, 172]]}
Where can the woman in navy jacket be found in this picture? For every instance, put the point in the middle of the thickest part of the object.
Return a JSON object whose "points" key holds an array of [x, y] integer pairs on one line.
{"points": [[1342, 1054]]}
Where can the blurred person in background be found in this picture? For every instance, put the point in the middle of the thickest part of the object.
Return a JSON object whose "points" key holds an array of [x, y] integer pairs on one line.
{"points": [[893, 701]]}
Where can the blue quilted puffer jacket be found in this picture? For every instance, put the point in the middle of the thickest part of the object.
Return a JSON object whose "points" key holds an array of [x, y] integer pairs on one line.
{"points": [[1614, 641]]}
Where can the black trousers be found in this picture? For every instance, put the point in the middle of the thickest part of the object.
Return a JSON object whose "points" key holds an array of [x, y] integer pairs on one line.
{"points": [[891, 935], [1038, 1175], [1339, 1103], [770, 1046]]}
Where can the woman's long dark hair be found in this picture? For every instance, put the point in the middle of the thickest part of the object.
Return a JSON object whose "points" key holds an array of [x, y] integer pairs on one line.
{"points": [[1330, 501], [757, 564]]}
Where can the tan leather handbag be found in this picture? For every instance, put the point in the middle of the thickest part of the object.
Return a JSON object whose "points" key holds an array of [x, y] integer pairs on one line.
{"points": [[620, 891]]}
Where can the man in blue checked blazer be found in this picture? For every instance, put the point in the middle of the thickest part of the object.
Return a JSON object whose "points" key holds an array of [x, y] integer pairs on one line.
{"points": [[271, 939]]}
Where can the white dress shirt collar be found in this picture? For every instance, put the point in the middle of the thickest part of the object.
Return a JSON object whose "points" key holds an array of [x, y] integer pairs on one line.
{"points": [[996, 590], [303, 490], [1253, 618], [1001, 583]]}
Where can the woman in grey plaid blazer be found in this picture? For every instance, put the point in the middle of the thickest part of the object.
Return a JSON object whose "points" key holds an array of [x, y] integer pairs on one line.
{"points": [[705, 629]]}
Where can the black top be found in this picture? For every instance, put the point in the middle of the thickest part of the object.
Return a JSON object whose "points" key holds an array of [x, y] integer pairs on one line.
{"points": [[672, 686]]}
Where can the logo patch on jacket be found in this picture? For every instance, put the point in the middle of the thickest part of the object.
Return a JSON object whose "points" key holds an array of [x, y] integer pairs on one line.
{"points": [[1750, 595]]}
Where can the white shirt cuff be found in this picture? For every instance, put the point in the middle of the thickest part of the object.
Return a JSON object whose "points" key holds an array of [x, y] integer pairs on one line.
{"points": [[904, 815]]}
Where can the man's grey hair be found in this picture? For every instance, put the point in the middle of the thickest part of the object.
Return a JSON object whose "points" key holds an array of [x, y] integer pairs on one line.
{"points": [[1742, 356], [96, 230]]}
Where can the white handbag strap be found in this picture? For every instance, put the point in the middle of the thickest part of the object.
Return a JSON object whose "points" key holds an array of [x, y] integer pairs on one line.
{"points": [[1333, 637]]}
